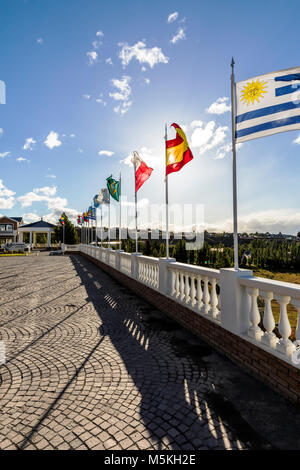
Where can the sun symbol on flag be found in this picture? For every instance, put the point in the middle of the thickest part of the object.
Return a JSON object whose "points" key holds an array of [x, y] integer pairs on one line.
{"points": [[253, 91]]}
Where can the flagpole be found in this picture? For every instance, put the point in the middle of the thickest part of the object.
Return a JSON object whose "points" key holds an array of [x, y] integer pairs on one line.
{"points": [[135, 202], [101, 226], [167, 199], [120, 214], [96, 239], [234, 179], [109, 223]]}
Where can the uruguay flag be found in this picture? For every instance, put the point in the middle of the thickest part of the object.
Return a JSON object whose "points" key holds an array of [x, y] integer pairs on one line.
{"points": [[268, 104]]}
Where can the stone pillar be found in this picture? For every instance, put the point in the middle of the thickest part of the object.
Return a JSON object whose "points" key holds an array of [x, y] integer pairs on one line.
{"points": [[21, 237], [164, 276], [233, 301], [48, 239], [30, 239], [118, 259], [34, 238], [134, 264]]}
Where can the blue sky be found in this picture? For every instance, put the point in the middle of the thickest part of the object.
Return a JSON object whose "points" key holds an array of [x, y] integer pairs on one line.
{"points": [[84, 77]]}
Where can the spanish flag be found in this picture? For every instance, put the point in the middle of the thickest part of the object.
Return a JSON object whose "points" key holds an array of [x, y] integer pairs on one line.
{"points": [[178, 152]]}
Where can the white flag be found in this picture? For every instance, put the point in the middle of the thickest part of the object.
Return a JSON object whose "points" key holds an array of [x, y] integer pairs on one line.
{"points": [[268, 104], [103, 196]]}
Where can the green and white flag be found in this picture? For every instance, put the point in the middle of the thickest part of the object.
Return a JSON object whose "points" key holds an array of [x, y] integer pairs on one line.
{"points": [[113, 187]]}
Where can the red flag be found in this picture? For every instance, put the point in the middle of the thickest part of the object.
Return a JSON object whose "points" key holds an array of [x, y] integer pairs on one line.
{"points": [[178, 152], [142, 171]]}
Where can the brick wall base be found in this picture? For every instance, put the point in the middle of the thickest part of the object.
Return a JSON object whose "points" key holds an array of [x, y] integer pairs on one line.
{"points": [[282, 377]]}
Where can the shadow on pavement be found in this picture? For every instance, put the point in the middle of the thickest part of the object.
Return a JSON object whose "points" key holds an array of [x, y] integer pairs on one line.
{"points": [[180, 404]]}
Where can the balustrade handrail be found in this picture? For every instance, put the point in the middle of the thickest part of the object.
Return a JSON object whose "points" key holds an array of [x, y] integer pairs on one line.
{"points": [[271, 285], [190, 268], [149, 259]]}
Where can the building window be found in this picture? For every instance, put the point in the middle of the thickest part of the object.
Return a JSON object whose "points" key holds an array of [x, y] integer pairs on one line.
{"points": [[2, 228], [9, 227]]}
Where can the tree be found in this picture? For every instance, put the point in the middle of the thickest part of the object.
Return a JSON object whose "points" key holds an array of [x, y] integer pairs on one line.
{"points": [[71, 236]]}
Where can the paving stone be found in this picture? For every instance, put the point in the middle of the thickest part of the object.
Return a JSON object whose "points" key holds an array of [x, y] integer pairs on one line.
{"points": [[77, 364]]}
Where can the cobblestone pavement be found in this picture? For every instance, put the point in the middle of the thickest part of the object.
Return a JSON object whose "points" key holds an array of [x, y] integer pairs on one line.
{"points": [[91, 366]]}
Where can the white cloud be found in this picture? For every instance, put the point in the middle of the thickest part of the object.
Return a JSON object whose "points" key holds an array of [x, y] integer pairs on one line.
{"points": [[100, 34], [7, 200], [87, 97], [142, 54], [220, 106], [109, 61], [7, 203], [56, 205], [123, 86], [4, 154], [147, 81], [101, 100], [57, 211], [297, 140], [224, 149], [51, 176], [273, 221], [30, 217], [123, 94], [72, 136], [143, 69], [4, 192], [92, 57], [29, 144], [47, 190], [180, 35], [142, 203], [52, 140], [172, 17], [123, 107], [206, 137], [21, 159], [147, 156], [96, 44], [29, 198], [80, 150], [1, 131], [40, 40], [196, 123], [108, 153]]}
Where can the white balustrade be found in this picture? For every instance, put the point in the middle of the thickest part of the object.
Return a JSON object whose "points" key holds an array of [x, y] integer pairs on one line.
{"points": [[125, 263], [284, 294], [148, 271], [112, 258], [195, 287], [198, 289]]}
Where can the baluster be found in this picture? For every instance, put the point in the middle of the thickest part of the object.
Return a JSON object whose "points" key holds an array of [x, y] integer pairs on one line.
{"points": [[187, 289], [284, 345], [173, 280], [206, 296], [254, 331], [199, 293], [296, 303], [193, 290], [214, 312], [181, 286], [177, 284], [269, 337]]}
